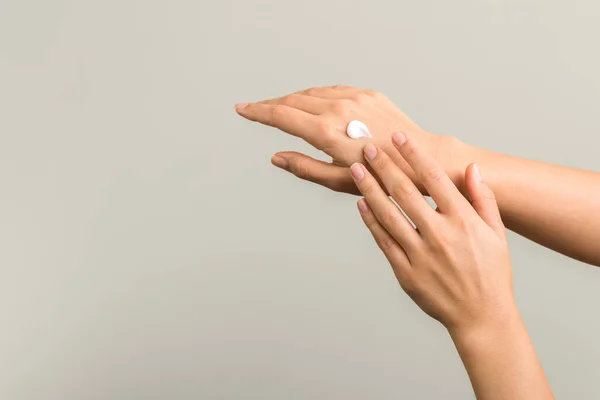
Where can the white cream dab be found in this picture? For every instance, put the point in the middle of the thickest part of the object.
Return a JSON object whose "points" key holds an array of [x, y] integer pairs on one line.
{"points": [[358, 130]]}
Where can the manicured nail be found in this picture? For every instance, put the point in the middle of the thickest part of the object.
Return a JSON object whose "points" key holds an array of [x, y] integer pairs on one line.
{"points": [[363, 206], [357, 172], [280, 162], [370, 151], [477, 173], [240, 106], [399, 138]]}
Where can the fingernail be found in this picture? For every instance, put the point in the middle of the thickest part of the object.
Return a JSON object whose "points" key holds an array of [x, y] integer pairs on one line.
{"points": [[399, 138], [280, 162], [477, 173], [363, 206], [370, 151], [357, 172], [240, 106]]}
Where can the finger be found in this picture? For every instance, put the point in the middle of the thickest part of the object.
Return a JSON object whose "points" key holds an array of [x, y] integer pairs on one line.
{"points": [[346, 88], [325, 174], [299, 123], [387, 213], [309, 104], [392, 250], [435, 180], [332, 92], [483, 199], [399, 186]]}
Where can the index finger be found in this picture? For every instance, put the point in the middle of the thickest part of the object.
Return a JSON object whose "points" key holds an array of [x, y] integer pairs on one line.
{"points": [[435, 180], [309, 127]]}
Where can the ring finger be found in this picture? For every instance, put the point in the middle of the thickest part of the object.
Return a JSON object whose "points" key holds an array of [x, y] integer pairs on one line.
{"points": [[332, 92]]}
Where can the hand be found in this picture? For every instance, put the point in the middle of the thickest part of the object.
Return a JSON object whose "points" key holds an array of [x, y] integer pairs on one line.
{"points": [[320, 116], [455, 265]]}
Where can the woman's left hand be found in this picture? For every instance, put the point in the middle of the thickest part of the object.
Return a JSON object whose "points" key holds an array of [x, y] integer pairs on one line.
{"points": [[320, 116]]}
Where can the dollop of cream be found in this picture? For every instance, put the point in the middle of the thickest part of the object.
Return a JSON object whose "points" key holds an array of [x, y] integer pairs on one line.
{"points": [[358, 130]]}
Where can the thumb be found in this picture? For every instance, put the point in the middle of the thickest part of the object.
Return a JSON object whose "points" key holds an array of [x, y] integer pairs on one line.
{"points": [[322, 173], [483, 199]]}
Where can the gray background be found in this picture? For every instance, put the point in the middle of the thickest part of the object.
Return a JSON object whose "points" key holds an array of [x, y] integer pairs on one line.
{"points": [[150, 251]]}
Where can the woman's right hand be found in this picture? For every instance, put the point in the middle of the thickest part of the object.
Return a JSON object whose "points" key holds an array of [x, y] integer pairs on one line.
{"points": [[455, 266]]}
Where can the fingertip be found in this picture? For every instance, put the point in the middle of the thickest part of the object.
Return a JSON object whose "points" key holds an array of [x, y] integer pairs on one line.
{"points": [[476, 173], [370, 151], [357, 171], [280, 161], [408, 147], [399, 138], [470, 181], [483, 199], [363, 206], [471, 174], [240, 107]]}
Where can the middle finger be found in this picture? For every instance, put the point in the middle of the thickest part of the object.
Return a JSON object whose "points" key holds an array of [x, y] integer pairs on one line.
{"points": [[309, 104], [399, 186]]}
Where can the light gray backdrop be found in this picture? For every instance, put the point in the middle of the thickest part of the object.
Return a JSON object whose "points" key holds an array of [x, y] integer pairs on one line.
{"points": [[148, 250]]}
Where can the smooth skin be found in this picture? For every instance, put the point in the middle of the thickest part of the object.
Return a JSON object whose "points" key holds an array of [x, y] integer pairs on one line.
{"points": [[540, 201], [455, 265]]}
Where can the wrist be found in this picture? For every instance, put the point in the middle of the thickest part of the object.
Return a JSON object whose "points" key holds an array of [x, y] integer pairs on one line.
{"points": [[454, 155], [499, 325]]}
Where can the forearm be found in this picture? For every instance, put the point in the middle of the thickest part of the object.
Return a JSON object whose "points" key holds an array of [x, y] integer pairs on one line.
{"points": [[501, 361], [552, 205]]}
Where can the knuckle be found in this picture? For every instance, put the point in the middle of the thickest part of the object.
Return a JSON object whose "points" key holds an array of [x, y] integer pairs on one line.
{"points": [[361, 99], [374, 94], [390, 217], [324, 128], [461, 223], [410, 151], [290, 100], [433, 174], [467, 225], [278, 113], [429, 227], [437, 235], [341, 107], [366, 188], [386, 243], [437, 243], [409, 285], [402, 190], [371, 222], [327, 133], [301, 169]]}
